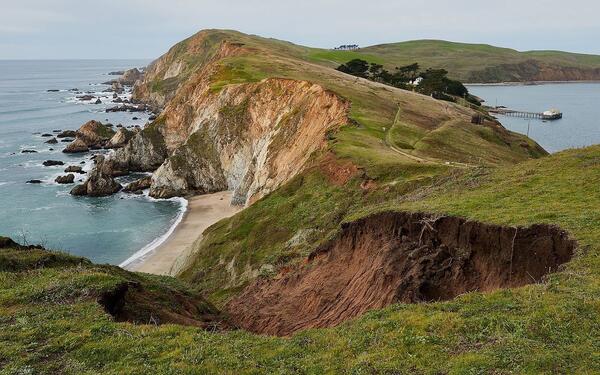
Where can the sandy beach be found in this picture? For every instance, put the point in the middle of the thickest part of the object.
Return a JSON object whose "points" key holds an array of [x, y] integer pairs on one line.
{"points": [[203, 211]]}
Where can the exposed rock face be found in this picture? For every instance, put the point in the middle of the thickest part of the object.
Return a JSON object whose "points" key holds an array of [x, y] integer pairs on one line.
{"points": [[532, 70], [174, 68], [91, 135], [98, 183], [77, 146], [130, 77], [51, 163], [398, 257], [79, 190], [74, 169], [145, 152], [52, 141], [94, 133], [248, 138], [67, 134], [141, 184], [67, 179], [120, 139]]}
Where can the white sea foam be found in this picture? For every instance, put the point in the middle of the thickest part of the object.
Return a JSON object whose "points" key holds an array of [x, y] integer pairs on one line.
{"points": [[149, 248]]}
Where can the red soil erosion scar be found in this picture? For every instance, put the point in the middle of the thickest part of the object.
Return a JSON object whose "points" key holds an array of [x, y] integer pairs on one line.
{"points": [[398, 257]]}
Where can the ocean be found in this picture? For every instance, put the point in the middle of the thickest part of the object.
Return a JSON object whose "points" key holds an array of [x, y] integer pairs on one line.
{"points": [[105, 230], [579, 103]]}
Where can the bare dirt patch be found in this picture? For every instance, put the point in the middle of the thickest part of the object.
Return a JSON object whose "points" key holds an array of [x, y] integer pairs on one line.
{"points": [[337, 171], [131, 302], [398, 257]]}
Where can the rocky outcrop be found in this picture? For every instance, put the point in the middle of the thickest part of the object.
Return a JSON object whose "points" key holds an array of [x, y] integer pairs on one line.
{"points": [[99, 183], [52, 163], [74, 169], [67, 134], [130, 77], [138, 185], [77, 146], [145, 152], [91, 135], [164, 76], [95, 134], [120, 139], [67, 179]]}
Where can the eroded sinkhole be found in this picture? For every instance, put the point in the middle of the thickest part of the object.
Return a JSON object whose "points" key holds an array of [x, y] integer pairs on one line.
{"points": [[398, 257]]}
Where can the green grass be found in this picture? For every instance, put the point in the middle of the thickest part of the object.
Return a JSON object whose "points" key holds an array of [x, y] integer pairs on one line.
{"points": [[477, 62], [342, 57], [51, 322]]}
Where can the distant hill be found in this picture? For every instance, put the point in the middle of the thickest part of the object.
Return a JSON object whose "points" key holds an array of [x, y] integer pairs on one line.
{"points": [[476, 63]]}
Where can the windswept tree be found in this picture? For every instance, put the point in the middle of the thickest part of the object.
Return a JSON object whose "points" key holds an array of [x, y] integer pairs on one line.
{"points": [[436, 81], [356, 67]]}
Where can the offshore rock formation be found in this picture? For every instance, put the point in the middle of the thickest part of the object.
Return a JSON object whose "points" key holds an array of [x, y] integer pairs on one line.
{"points": [[91, 135], [99, 183], [138, 185]]}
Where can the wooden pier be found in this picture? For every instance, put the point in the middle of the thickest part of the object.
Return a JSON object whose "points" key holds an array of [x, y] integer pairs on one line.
{"points": [[552, 114]]}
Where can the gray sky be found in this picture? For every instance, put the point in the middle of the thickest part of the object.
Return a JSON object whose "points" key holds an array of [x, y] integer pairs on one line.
{"points": [[53, 29]]}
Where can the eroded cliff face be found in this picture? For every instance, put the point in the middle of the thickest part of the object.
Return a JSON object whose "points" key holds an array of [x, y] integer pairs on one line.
{"points": [[397, 257], [534, 71], [164, 76], [248, 138]]}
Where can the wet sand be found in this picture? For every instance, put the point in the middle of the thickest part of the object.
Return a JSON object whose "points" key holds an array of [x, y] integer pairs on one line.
{"points": [[170, 257]]}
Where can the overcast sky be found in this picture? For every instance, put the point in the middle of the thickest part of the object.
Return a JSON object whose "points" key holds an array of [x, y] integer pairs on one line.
{"points": [[54, 29]]}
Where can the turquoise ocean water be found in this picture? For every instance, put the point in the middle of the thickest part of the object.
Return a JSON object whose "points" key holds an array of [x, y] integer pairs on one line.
{"points": [[106, 230]]}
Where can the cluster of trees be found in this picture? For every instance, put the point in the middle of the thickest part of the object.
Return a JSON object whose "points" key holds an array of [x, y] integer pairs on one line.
{"points": [[347, 47], [432, 81]]}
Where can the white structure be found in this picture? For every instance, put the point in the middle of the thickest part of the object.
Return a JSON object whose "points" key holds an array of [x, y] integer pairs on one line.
{"points": [[416, 81]]}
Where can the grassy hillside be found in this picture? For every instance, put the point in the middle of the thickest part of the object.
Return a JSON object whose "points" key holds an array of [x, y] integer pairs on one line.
{"points": [[51, 322], [475, 62], [396, 140]]}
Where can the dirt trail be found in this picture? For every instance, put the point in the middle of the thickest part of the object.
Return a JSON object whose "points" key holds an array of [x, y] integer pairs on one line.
{"points": [[398, 257], [416, 158]]}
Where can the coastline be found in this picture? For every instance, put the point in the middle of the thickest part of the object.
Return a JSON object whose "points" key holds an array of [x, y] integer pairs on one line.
{"points": [[167, 254], [529, 83]]}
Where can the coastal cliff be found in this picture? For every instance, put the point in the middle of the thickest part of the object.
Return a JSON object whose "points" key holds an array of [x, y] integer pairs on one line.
{"points": [[246, 114], [248, 138]]}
